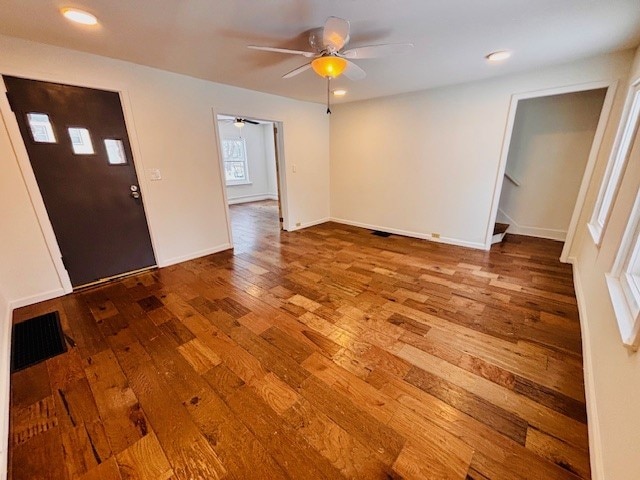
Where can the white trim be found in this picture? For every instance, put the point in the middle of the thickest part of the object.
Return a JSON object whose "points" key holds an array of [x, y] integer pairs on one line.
{"points": [[222, 175], [24, 164], [611, 86], [193, 255], [308, 224], [5, 376], [407, 233], [516, 228], [252, 198], [282, 187], [40, 297], [593, 423], [626, 301], [617, 162]]}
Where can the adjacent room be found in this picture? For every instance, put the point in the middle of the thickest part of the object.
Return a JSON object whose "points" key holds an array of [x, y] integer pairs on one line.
{"points": [[250, 160], [247, 239]]}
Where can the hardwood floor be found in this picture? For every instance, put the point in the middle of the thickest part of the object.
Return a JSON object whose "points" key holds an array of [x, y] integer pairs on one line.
{"points": [[324, 353]]}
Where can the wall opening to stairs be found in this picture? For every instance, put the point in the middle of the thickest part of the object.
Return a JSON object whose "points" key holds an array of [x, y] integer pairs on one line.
{"points": [[550, 145], [551, 142]]}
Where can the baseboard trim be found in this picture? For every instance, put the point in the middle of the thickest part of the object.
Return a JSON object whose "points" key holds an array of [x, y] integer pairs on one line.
{"points": [[251, 198], [40, 297], [309, 224], [198, 254], [595, 440], [423, 236], [518, 229], [5, 375]]}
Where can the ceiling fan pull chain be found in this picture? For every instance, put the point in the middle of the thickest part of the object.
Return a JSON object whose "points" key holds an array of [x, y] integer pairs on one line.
{"points": [[328, 95]]}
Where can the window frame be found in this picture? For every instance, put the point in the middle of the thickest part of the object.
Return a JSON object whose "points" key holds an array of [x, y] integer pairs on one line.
{"points": [[624, 280], [616, 165], [246, 180]]}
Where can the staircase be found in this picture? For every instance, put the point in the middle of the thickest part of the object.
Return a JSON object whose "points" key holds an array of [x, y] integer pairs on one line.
{"points": [[499, 231]]}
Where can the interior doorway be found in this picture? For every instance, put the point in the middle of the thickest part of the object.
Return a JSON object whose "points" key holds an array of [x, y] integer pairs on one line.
{"points": [[80, 154], [549, 152], [252, 174]]}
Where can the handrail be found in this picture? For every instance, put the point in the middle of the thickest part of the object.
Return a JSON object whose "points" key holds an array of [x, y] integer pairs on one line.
{"points": [[512, 178]]}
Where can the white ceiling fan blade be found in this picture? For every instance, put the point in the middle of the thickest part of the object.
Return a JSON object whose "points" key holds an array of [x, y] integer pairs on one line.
{"points": [[376, 51], [297, 71], [354, 72], [336, 33], [282, 50]]}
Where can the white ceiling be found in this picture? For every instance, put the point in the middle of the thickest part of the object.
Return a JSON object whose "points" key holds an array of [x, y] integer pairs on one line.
{"points": [[208, 38]]}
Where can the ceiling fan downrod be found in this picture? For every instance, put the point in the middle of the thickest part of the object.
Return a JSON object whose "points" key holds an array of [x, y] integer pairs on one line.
{"points": [[328, 95]]}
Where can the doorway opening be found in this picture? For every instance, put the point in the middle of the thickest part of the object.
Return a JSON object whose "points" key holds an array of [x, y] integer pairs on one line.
{"points": [[251, 172], [548, 157]]}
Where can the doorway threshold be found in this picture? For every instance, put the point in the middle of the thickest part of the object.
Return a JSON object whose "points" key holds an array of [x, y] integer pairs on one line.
{"points": [[103, 281]]}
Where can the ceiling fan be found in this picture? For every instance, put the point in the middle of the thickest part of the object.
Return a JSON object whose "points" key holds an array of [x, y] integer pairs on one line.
{"points": [[239, 121], [330, 58]]}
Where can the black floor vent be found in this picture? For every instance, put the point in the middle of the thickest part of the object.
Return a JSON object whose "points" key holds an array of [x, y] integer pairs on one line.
{"points": [[378, 233], [35, 340]]}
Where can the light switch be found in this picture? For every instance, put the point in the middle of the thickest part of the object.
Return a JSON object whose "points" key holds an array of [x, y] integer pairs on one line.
{"points": [[294, 168], [154, 174]]}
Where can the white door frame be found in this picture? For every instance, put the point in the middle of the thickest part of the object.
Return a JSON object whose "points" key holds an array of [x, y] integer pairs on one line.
{"points": [[611, 87], [279, 146], [33, 190]]}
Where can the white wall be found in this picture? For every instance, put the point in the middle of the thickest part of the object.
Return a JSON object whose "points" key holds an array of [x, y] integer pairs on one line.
{"points": [[173, 123], [550, 145], [261, 161], [428, 161], [5, 333], [612, 372]]}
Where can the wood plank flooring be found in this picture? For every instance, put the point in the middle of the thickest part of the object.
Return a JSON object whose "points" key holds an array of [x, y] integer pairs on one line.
{"points": [[324, 353]]}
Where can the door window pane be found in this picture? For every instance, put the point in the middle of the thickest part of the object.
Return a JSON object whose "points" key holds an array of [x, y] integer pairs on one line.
{"points": [[41, 128], [115, 151], [81, 141]]}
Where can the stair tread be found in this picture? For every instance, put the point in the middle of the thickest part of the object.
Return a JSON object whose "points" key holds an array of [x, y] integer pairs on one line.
{"points": [[500, 228]]}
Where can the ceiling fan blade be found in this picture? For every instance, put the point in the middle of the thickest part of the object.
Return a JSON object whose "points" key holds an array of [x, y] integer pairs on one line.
{"points": [[354, 72], [297, 71], [282, 50], [250, 121], [336, 33], [376, 51]]}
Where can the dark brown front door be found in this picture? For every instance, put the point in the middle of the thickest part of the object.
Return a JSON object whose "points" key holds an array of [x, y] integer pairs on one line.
{"points": [[78, 146]]}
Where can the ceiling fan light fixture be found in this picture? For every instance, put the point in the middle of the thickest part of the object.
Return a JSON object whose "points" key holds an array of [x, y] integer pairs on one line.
{"points": [[498, 56], [329, 66], [238, 123], [79, 16], [340, 92]]}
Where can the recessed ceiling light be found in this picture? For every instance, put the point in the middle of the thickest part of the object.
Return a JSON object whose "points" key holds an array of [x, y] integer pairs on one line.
{"points": [[340, 93], [498, 56], [79, 16]]}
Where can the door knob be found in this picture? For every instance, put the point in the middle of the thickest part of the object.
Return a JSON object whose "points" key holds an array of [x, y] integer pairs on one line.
{"points": [[134, 191]]}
